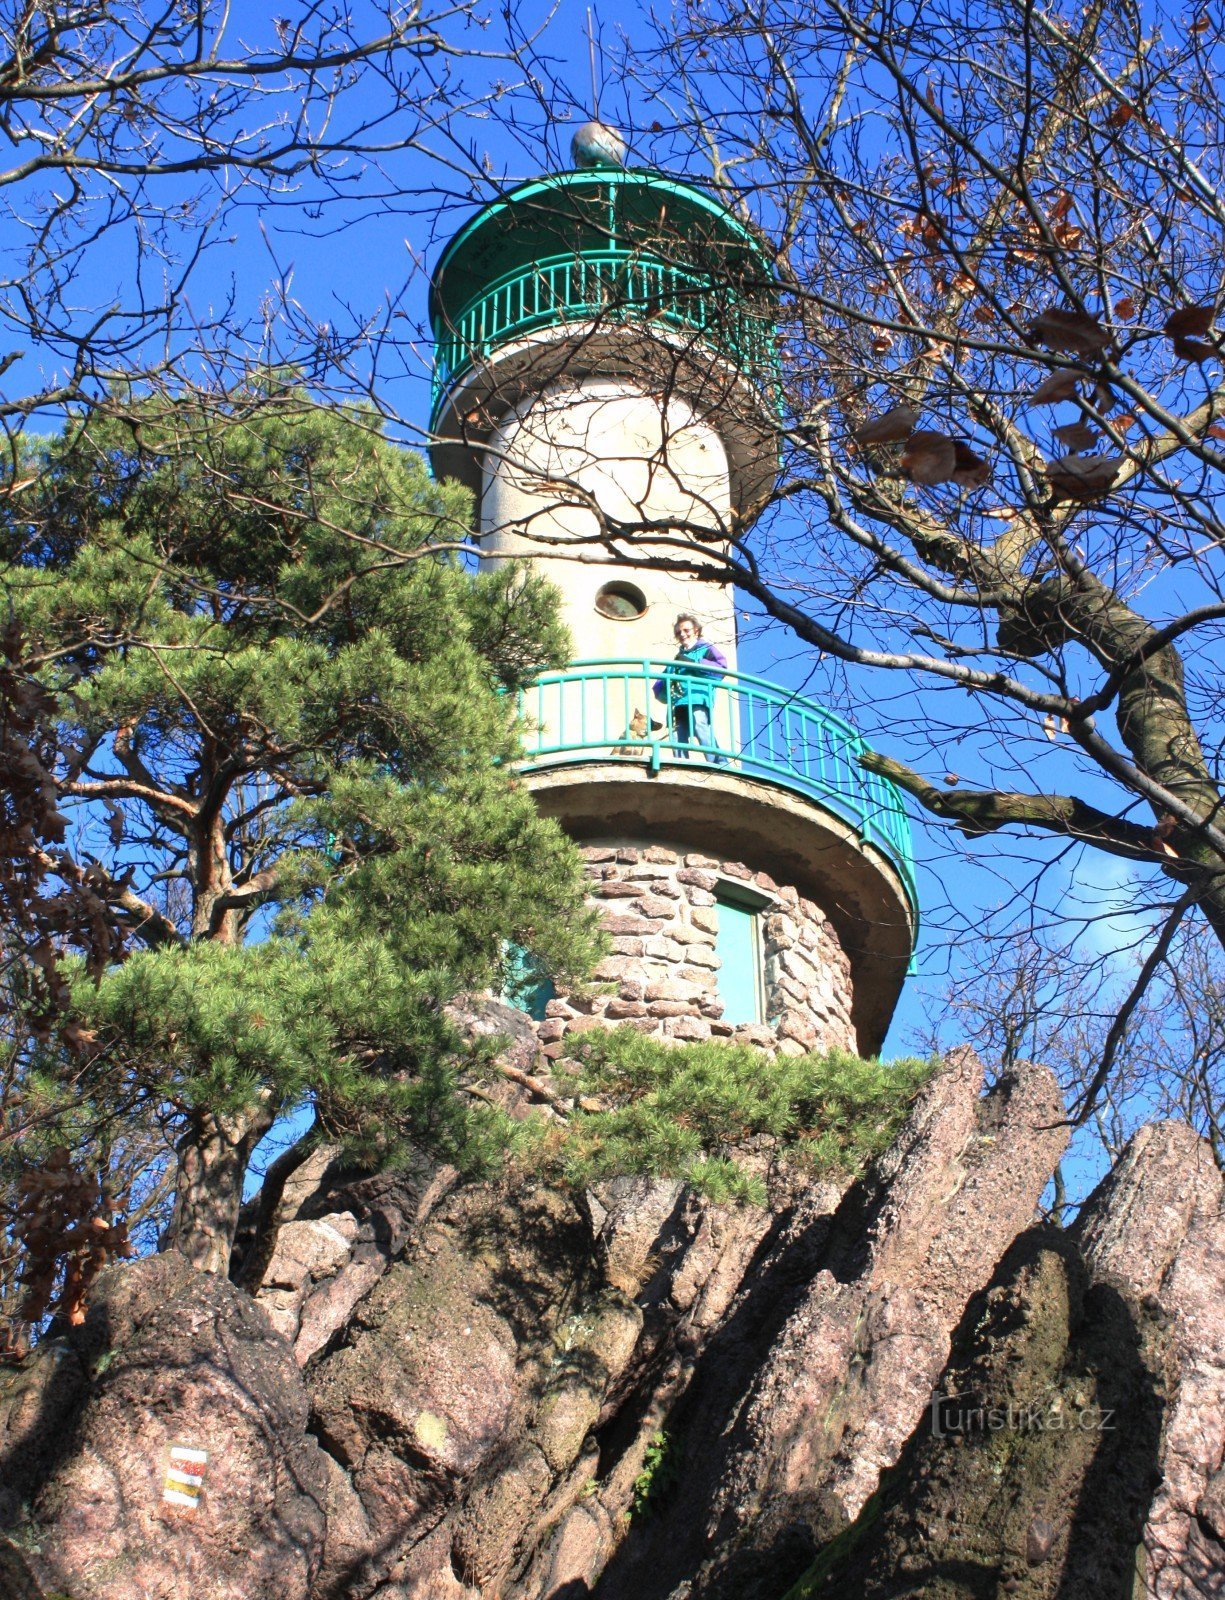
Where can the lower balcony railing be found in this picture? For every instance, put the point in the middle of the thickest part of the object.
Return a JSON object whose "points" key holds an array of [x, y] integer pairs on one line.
{"points": [[655, 714]]}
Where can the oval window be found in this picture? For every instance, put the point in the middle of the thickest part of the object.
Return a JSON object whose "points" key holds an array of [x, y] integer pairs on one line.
{"points": [[624, 601]]}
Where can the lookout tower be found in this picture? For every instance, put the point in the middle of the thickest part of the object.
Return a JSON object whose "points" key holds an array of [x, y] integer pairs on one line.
{"points": [[604, 381]]}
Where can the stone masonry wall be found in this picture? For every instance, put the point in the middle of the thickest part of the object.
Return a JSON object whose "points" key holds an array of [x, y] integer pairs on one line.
{"points": [[660, 910]]}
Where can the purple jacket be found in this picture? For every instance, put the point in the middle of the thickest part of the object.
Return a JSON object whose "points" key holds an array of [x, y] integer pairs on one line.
{"points": [[691, 680]]}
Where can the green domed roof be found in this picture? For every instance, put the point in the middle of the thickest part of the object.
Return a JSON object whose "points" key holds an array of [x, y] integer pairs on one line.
{"points": [[604, 248], [580, 213]]}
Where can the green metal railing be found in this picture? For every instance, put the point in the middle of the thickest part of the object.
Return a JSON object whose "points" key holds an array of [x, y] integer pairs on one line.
{"points": [[610, 711], [615, 285]]}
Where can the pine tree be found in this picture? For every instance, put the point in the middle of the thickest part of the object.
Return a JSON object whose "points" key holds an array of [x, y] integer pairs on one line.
{"points": [[287, 760]]}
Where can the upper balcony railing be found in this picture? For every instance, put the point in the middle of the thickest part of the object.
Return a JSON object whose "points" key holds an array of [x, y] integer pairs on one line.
{"points": [[628, 711], [613, 286]]}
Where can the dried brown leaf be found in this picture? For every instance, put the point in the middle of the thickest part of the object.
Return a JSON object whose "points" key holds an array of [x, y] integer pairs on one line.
{"points": [[1058, 386], [1189, 322], [929, 458], [1193, 350], [894, 427], [1082, 477], [1078, 436], [970, 471], [1077, 332]]}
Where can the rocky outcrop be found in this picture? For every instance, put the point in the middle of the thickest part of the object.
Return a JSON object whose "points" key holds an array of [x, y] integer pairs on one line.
{"points": [[829, 1354], [333, 1241], [447, 1392], [177, 1359], [1074, 1443], [37, 1400], [1155, 1233]]}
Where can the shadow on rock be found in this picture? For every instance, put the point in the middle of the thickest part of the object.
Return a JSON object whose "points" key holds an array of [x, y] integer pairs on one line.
{"points": [[1032, 1472]]}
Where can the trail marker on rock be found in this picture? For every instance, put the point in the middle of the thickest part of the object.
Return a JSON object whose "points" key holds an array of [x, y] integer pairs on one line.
{"points": [[184, 1476]]}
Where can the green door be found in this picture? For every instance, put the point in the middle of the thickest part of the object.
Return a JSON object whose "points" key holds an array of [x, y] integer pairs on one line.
{"points": [[525, 987], [738, 949]]}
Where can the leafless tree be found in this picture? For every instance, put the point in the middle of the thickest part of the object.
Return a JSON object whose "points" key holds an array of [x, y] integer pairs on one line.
{"points": [[1158, 1047], [997, 234], [132, 132]]}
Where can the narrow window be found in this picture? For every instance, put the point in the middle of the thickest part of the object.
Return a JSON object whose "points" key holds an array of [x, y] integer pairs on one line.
{"points": [[738, 947]]}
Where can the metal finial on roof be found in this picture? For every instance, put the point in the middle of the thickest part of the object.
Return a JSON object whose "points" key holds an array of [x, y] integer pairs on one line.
{"points": [[595, 144]]}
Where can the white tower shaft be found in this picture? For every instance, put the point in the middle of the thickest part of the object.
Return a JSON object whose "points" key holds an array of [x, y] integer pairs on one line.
{"points": [[566, 470]]}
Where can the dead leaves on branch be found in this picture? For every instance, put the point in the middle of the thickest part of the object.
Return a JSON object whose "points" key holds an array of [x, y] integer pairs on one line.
{"points": [[1035, 240], [894, 427], [37, 926], [1077, 436], [65, 1224], [929, 457], [1066, 331], [970, 470], [1189, 328], [1076, 333], [1080, 478], [1059, 386]]}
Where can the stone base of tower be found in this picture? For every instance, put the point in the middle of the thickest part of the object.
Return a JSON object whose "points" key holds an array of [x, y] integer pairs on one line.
{"points": [[665, 975], [757, 833]]}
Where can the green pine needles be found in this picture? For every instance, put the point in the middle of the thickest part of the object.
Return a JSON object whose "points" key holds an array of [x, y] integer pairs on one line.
{"points": [[284, 760], [720, 1116], [286, 765]]}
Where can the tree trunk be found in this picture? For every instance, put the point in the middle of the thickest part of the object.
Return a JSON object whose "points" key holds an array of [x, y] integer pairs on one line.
{"points": [[213, 1155]]}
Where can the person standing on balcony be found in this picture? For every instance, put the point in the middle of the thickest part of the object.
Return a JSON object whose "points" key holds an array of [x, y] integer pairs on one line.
{"points": [[689, 687]]}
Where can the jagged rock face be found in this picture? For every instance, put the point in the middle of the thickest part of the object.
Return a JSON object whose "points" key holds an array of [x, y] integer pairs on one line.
{"points": [[526, 1395], [1031, 1469], [1155, 1232], [439, 1364], [797, 1349], [37, 1400], [1074, 1448], [836, 1340]]}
